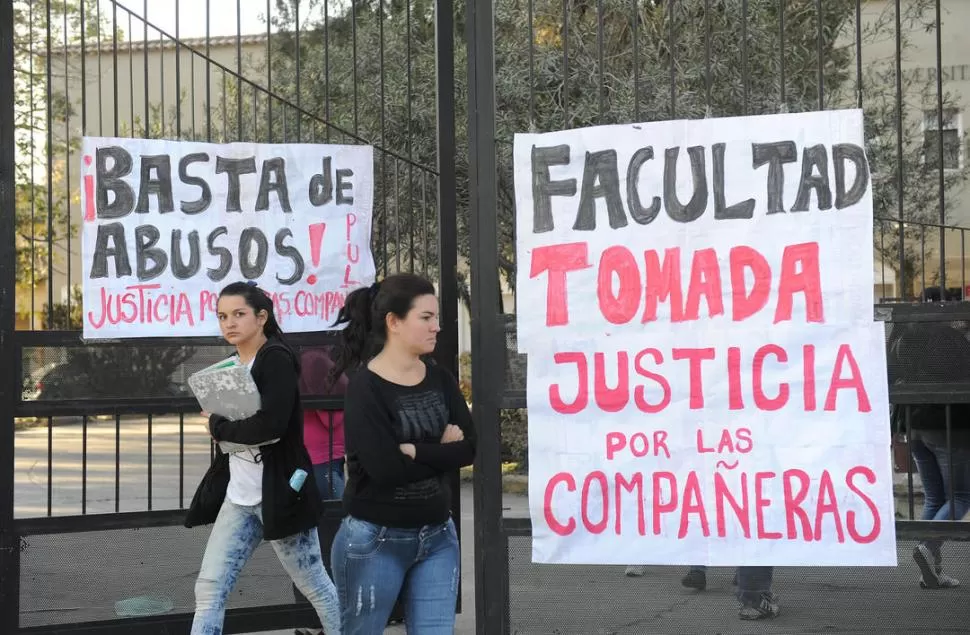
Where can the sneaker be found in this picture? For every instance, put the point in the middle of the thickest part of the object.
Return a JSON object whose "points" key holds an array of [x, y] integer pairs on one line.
{"points": [[943, 581], [634, 571], [308, 631], [764, 610], [695, 579], [932, 572]]}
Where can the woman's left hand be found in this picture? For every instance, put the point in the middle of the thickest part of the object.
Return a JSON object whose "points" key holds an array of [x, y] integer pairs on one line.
{"points": [[408, 448]]}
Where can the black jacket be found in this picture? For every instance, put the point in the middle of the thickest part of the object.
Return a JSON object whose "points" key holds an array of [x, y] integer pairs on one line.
{"points": [[285, 512]]}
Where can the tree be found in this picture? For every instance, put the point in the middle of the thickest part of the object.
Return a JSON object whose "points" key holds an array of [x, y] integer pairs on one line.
{"points": [[597, 63]]}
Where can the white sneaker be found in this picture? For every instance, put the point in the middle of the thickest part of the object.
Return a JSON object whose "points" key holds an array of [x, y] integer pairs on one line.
{"points": [[634, 571]]}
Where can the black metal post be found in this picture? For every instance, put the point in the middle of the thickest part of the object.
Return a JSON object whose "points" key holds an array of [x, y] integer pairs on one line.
{"points": [[447, 350], [9, 540], [491, 554]]}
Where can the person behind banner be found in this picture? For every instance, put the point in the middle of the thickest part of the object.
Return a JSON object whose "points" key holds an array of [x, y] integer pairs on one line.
{"points": [[323, 431], [922, 352], [256, 493], [407, 429]]}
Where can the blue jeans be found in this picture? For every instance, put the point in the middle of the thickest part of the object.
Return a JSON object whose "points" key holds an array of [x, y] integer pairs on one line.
{"points": [[330, 479], [237, 532], [933, 464], [752, 582], [373, 564]]}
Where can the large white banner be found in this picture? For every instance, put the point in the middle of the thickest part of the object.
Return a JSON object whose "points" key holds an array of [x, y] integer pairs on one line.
{"points": [[706, 384], [167, 224]]}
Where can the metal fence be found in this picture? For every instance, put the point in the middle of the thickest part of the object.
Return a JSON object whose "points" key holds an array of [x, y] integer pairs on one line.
{"points": [[102, 445], [543, 65]]}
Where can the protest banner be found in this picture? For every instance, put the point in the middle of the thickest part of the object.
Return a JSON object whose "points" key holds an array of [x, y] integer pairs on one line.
{"points": [[167, 224], [706, 384]]}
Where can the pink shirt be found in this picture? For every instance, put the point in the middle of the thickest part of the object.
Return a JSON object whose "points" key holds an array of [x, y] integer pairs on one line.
{"points": [[316, 434], [318, 425]]}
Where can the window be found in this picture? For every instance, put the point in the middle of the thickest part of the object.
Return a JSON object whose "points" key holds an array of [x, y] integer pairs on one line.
{"points": [[952, 140]]}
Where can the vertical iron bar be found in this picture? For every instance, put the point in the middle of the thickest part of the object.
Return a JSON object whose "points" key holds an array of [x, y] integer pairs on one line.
{"points": [[9, 351], [208, 72], [899, 149], [858, 52], [922, 256], [384, 186], [963, 264], [939, 132], [33, 159], [636, 58], [326, 65], [299, 90], [181, 460], [100, 73], [195, 132], [821, 60], [114, 62], [600, 60], [162, 132], [117, 462], [67, 160], [225, 107], [781, 53], [565, 63], [410, 145], [425, 247], [949, 456], [239, 73], [131, 84], [148, 130], [353, 59], [50, 183], [50, 463], [909, 463], [149, 461], [447, 349], [671, 8], [84, 465], [397, 217], [530, 8], [178, 73], [269, 71], [744, 56], [708, 35]]}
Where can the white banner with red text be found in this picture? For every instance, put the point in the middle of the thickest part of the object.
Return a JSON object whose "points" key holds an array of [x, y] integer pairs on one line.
{"points": [[167, 224], [706, 382]]}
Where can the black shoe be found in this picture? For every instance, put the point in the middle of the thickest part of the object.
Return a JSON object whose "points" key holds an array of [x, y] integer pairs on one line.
{"points": [[695, 579], [308, 631]]}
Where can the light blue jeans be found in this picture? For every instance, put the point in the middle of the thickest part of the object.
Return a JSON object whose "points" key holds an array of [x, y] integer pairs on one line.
{"points": [[373, 564], [237, 532]]}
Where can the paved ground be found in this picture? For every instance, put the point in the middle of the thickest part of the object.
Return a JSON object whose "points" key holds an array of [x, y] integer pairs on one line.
{"points": [[79, 577]]}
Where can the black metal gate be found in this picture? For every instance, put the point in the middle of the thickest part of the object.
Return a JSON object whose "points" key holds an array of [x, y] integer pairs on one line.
{"points": [[543, 65], [101, 449]]}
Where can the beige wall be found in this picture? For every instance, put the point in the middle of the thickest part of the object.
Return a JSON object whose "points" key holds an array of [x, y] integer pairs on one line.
{"points": [[97, 80]]}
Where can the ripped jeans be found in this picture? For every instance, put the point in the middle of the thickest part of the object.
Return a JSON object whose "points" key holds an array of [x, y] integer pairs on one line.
{"points": [[236, 534], [373, 564]]}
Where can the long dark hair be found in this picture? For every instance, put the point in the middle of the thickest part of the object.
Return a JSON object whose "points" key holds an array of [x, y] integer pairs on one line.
{"points": [[365, 314], [257, 301]]}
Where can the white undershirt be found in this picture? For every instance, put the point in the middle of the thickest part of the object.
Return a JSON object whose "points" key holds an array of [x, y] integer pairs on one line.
{"points": [[246, 474]]}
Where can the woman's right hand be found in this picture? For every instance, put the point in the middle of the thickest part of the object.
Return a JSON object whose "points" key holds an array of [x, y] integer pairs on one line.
{"points": [[452, 434]]}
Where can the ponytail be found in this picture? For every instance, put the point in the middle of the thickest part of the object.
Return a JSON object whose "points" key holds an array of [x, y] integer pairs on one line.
{"points": [[357, 314], [365, 315]]}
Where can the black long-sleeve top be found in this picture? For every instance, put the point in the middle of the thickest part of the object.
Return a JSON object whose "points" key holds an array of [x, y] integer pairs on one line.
{"points": [[385, 486]]}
